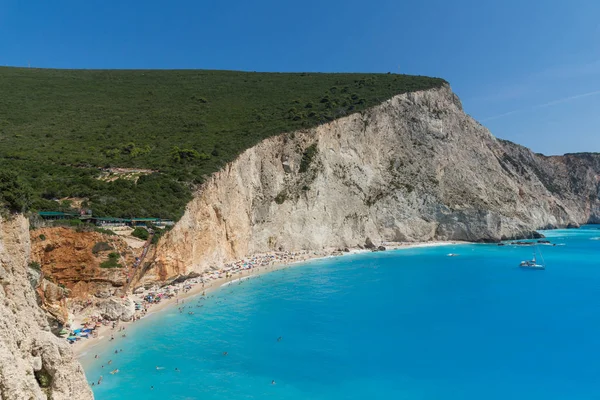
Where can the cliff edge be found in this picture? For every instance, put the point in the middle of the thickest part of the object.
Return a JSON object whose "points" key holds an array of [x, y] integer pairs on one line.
{"points": [[34, 364], [414, 168]]}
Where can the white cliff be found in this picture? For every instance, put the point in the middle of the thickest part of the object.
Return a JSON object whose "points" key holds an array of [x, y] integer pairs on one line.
{"points": [[413, 168], [34, 363]]}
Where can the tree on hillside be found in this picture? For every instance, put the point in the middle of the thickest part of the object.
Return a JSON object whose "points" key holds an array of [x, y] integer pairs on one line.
{"points": [[14, 194]]}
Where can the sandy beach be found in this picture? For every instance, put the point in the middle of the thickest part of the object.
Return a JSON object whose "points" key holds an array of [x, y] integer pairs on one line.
{"points": [[212, 280]]}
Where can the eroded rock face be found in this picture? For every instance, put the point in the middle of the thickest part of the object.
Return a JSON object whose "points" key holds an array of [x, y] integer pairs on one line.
{"points": [[71, 265], [73, 259], [29, 352], [413, 168]]}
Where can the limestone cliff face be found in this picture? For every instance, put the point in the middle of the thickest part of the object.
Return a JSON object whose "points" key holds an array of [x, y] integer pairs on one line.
{"points": [[413, 168], [34, 364]]}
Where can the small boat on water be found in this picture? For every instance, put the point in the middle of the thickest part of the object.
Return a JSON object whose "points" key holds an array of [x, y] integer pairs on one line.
{"points": [[533, 263]]}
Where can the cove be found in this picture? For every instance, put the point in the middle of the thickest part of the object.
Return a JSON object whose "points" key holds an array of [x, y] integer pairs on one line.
{"points": [[410, 324]]}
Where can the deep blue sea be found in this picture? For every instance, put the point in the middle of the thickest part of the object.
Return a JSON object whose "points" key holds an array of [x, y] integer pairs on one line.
{"points": [[406, 324]]}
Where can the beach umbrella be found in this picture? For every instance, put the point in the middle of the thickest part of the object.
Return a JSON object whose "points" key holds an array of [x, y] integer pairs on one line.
{"points": [[72, 338]]}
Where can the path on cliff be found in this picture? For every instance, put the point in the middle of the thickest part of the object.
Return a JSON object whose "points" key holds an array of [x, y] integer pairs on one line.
{"points": [[138, 264]]}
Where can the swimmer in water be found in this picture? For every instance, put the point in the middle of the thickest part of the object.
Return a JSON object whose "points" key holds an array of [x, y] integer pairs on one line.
{"points": [[176, 369], [159, 368], [279, 339], [273, 382], [224, 353]]}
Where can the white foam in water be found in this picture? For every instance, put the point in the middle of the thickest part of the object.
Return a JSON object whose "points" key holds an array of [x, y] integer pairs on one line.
{"points": [[238, 280]]}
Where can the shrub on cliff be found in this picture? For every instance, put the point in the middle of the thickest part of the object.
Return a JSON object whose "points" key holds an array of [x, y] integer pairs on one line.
{"points": [[307, 157], [105, 231], [35, 265], [101, 246], [140, 233], [112, 262]]}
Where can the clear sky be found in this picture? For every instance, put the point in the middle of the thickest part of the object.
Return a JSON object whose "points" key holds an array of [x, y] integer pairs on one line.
{"points": [[528, 70]]}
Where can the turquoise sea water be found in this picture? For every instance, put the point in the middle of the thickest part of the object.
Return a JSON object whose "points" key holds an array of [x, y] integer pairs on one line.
{"points": [[407, 324]]}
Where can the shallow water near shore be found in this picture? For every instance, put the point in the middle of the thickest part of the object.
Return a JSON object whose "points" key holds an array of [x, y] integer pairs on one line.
{"points": [[405, 324]]}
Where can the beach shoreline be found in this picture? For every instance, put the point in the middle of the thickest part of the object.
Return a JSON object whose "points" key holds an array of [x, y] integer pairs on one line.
{"points": [[82, 347]]}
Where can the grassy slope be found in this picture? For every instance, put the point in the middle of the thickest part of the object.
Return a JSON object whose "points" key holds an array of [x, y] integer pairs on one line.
{"points": [[58, 126]]}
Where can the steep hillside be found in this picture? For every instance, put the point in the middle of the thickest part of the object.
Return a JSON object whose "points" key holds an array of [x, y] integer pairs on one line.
{"points": [[59, 127], [415, 167], [34, 364]]}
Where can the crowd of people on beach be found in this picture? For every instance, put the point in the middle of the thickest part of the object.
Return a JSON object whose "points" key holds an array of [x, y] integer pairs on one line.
{"points": [[145, 299]]}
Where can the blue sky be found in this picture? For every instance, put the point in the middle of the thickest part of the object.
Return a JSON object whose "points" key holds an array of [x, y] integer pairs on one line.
{"points": [[528, 70]]}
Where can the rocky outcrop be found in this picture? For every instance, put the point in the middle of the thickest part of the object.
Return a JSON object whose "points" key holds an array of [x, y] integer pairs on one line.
{"points": [[115, 309], [34, 364], [413, 168]]}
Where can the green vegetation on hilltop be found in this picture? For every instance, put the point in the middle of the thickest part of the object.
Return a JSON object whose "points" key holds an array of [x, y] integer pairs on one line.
{"points": [[59, 127]]}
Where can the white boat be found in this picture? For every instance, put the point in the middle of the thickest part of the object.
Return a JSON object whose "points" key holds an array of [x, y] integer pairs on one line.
{"points": [[533, 264]]}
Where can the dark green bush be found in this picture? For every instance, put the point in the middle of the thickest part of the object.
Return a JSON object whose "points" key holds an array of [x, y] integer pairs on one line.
{"points": [[35, 265], [307, 157], [280, 198], [140, 233], [101, 246], [43, 378], [112, 261], [105, 231]]}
